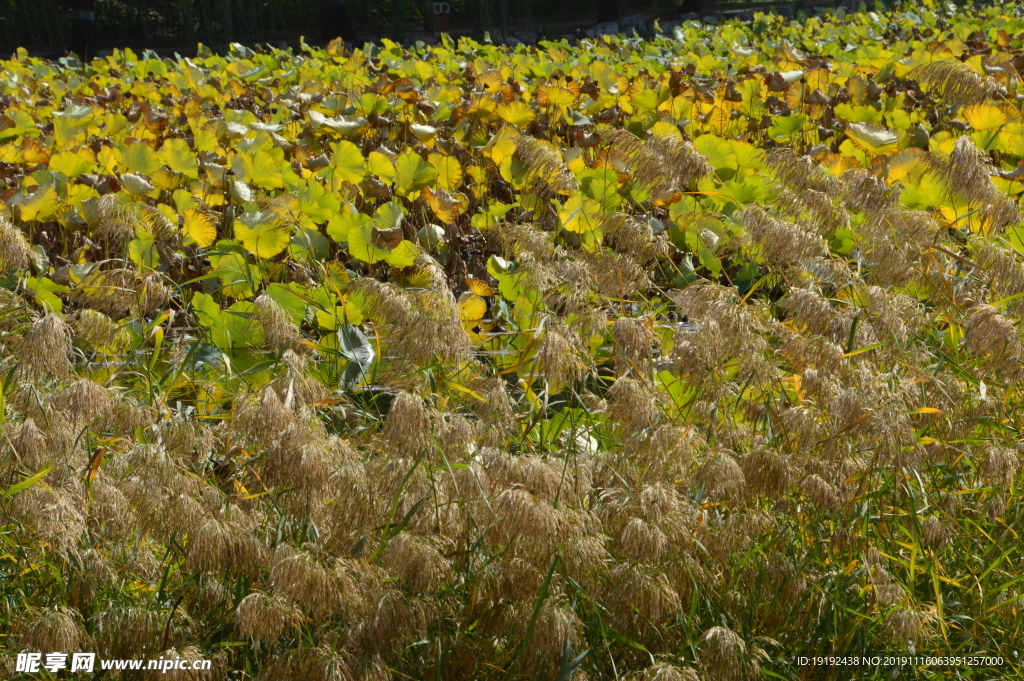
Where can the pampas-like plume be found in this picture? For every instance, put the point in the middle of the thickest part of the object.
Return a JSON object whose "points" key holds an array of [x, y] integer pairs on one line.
{"points": [[661, 164], [320, 590], [51, 629], [631, 403], [545, 167], [781, 242], [15, 250], [112, 292], [910, 624], [221, 546], [968, 176], [46, 348], [409, 426], [726, 656], [111, 219], [991, 335], [958, 84], [721, 475], [279, 331], [98, 330], [421, 325], [417, 562], [800, 173], [663, 671], [561, 358]]}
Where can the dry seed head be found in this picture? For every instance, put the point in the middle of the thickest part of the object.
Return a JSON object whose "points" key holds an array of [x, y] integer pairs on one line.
{"points": [[555, 625], [521, 514], [968, 176], [823, 494], [616, 275], [561, 359], [52, 629], [642, 541], [263, 418], [151, 295], [991, 335], [112, 292], [417, 562], [934, 533], [767, 472], [958, 84], [189, 654], [999, 464], [295, 386], [822, 214], [46, 348], [627, 234], [642, 598], [631, 403], [30, 445], [82, 401], [456, 438], [663, 671], [279, 331], [55, 515], [15, 251], [545, 167], [111, 219], [98, 330], [661, 164], [722, 475], [865, 192], [910, 624], [219, 546], [409, 426], [317, 588], [1001, 268], [781, 242], [634, 341], [392, 623], [725, 656], [801, 172]]}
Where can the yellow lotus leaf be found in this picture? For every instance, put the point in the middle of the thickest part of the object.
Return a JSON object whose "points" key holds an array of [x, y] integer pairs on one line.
{"points": [[445, 206], [480, 287], [985, 116], [449, 171], [263, 233], [516, 113], [580, 214], [472, 307], [199, 226]]}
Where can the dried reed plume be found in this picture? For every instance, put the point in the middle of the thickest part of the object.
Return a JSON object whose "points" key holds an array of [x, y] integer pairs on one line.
{"points": [[661, 164], [279, 331], [545, 168], [800, 173], [968, 177], [958, 84], [46, 348], [781, 242], [15, 250], [725, 655]]}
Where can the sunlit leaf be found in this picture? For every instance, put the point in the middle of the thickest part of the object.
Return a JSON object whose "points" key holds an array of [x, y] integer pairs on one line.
{"points": [[263, 233]]}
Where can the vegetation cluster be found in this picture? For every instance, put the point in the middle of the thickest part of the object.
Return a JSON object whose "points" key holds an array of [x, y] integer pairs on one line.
{"points": [[659, 360]]}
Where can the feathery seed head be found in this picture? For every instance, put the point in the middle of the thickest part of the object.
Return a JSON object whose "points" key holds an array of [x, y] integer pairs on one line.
{"points": [[726, 656], [51, 629], [958, 84], [15, 251], [279, 331], [46, 349]]}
